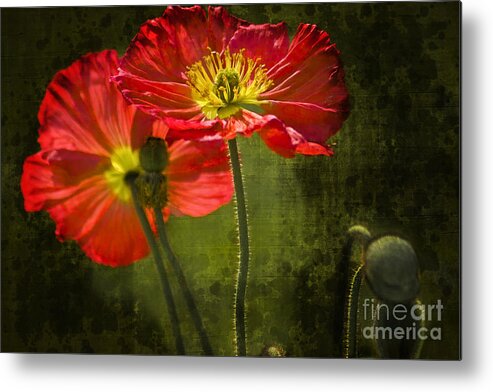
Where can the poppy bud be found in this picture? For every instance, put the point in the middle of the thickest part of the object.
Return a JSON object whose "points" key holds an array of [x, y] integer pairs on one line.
{"points": [[392, 269], [154, 155]]}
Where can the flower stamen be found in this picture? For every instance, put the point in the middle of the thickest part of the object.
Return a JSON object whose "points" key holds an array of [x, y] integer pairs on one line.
{"points": [[223, 83]]}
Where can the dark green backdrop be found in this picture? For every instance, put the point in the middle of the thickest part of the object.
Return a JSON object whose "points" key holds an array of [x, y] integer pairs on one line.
{"points": [[396, 170]]}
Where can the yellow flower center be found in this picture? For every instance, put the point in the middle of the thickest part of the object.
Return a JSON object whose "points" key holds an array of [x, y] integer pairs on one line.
{"points": [[123, 160], [223, 84]]}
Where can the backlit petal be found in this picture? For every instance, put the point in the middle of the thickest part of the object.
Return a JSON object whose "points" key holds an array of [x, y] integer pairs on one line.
{"points": [[50, 177], [70, 186], [199, 178], [83, 110], [117, 239]]}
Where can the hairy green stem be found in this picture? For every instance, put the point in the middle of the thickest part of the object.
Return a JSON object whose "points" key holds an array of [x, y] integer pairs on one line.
{"points": [[241, 283], [146, 227], [363, 236], [189, 299], [350, 338]]}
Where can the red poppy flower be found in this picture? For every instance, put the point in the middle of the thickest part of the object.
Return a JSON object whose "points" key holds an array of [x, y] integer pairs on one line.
{"points": [[90, 138], [220, 74]]}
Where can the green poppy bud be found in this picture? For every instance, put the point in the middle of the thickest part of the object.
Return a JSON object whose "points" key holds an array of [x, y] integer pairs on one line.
{"points": [[153, 155], [392, 269]]}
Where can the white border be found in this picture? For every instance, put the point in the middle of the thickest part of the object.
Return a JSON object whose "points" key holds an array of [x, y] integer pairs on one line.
{"points": [[474, 373]]}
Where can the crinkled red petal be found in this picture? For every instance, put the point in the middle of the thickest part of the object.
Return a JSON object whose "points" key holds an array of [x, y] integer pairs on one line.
{"points": [[317, 78], [309, 93], [165, 46], [221, 27], [152, 71], [267, 42]]}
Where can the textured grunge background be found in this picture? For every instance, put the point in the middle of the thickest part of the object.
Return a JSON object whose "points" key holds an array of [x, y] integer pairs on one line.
{"points": [[396, 170]]}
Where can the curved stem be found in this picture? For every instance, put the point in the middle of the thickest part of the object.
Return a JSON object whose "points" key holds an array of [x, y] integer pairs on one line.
{"points": [[241, 283], [146, 227], [190, 301]]}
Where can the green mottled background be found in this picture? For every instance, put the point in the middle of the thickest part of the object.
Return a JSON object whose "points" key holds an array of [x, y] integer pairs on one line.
{"points": [[396, 170]]}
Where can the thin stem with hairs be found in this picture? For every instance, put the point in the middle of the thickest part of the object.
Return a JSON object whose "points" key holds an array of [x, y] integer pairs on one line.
{"points": [[242, 279], [350, 341], [146, 227], [189, 299]]}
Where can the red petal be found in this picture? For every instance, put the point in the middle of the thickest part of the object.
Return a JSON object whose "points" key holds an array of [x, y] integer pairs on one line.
{"points": [[69, 185], [50, 177], [311, 73], [144, 126], [315, 123], [276, 137], [242, 123], [309, 148], [117, 239], [160, 129], [318, 79], [193, 130], [152, 71], [82, 110], [160, 99], [308, 41], [268, 42], [286, 141], [199, 177], [165, 46], [222, 26]]}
